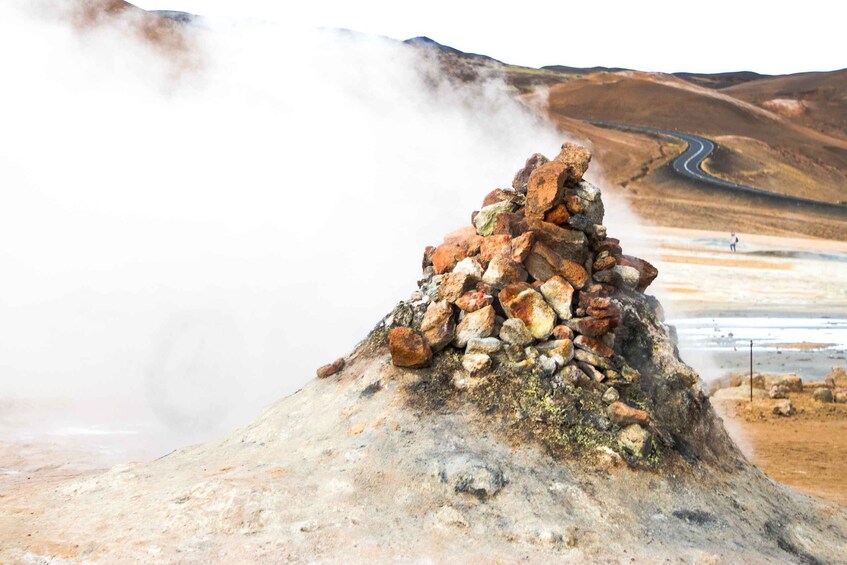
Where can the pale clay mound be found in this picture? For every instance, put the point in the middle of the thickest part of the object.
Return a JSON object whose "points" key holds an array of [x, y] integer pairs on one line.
{"points": [[345, 471], [532, 456]]}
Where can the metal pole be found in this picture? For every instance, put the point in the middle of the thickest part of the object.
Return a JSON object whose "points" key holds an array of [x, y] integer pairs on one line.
{"points": [[751, 370]]}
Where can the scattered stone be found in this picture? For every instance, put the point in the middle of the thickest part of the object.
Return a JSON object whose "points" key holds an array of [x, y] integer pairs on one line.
{"points": [[571, 374], [611, 395], [580, 222], [635, 440], [558, 215], [562, 332], [575, 158], [514, 331], [408, 348], [647, 273], [559, 295], [566, 243], [503, 195], [449, 517], [502, 271], [561, 351], [792, 383], [592, 327], [438, 326], [466, 238], [331, 369], [522, 246], [484, 345], [484, 220], [545, 188], [837, 378], [468, 474], [476, 362], [474, 324], [823, 394], [626, 276], [546, 365], [593, 345], [574, 204], [783, 408], [473, 300], [520, 300], [522, 176], [495, 245], [454, 285], [622, 415], [544, 263], [509, 223], [591, 371], [777, 391], [446, 255], [590, 358], [606, 262], [470, 266]]}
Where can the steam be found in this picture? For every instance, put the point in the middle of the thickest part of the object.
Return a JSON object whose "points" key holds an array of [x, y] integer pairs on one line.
{"points": [[201, 241]]}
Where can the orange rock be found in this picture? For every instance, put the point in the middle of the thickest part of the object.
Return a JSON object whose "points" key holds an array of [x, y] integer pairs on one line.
{"points": [[574, 204], [446, 255], [494, 245], [522, 177], [543, 263], [593, 345], [545, 188], [465, 237], [438, 326], [475, 324], [575, 159], [521, 301], [331, 369], [623, 415], [557, 215], [498, 195], [474, 300], [647, 273], [502, 271], [408, 348], [427, 256], [522, 246], [454, 285], [568, 243], [592, 327], [562, 332], [605, 263]]}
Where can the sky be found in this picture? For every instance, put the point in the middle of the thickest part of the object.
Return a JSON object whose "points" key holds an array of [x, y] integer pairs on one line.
{"points": [[663, 36]]}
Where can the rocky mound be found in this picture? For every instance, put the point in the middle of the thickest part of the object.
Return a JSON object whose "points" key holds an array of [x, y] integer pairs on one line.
{"points": [[526, 404], [534, 305]]}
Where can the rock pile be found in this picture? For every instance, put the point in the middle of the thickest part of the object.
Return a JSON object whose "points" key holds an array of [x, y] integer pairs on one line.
{"points": [[531, 285]]}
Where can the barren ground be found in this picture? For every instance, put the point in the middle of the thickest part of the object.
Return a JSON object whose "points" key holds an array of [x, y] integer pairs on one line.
{"points": [[806, 451]]}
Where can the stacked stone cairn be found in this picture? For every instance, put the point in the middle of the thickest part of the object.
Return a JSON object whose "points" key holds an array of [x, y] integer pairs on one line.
{"points": [[530, 284]]}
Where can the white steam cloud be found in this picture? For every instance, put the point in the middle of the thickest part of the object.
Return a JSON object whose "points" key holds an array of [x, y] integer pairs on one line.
{"points": [[202, 241]]}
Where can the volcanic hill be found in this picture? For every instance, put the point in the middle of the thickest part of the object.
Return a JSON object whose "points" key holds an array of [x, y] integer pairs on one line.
{"points": [[526, 404]]}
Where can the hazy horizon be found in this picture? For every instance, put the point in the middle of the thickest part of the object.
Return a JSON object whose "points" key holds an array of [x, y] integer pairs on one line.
{"points": [[661, 37]]}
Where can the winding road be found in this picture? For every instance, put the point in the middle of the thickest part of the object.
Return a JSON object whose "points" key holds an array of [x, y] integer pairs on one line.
{"points": [[690, 165]]}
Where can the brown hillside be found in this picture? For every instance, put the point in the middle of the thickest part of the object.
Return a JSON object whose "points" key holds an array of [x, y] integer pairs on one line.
{"points": [[815, 100], [666, 102]]}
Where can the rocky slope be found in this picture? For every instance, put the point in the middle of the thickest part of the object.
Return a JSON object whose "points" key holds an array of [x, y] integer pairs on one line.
{"points": [[526, 404]]}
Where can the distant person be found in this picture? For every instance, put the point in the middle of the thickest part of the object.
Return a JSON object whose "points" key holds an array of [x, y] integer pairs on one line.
{"points": [[733, 240]]}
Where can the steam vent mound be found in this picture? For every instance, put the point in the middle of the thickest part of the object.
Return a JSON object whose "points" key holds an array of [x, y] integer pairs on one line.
{"points": [[526, 405]]}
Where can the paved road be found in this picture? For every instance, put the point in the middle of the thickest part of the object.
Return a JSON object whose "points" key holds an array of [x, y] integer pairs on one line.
{"points": [[690, 165]]}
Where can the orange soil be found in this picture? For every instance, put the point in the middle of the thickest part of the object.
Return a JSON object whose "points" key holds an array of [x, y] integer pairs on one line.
{"points": [[807, 451]]}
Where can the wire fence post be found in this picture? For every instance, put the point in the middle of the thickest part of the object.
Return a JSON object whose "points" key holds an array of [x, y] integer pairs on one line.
{"points": [[751, 370]]}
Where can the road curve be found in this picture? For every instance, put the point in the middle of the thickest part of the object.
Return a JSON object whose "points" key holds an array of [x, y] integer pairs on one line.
{"points": [[690, 165]]}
